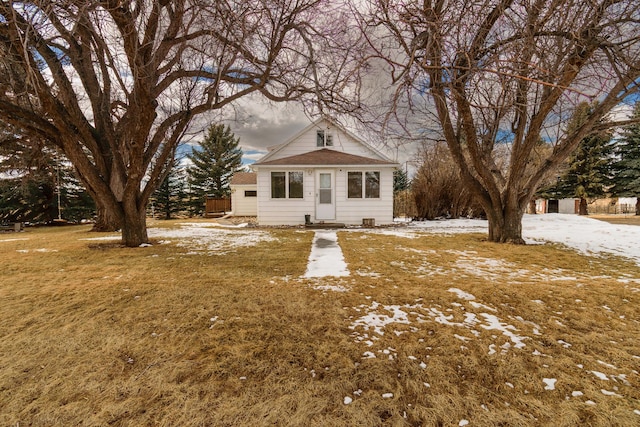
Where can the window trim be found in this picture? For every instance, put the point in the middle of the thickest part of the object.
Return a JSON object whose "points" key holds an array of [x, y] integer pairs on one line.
{"points": [[326, 140], [287, 185], [363, 184]]}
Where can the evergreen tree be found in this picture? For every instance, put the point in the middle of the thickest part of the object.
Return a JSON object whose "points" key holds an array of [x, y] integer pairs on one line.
{"points": [[214, 164], [31, 174], [626, 170], [169, 198], [588, 169], [400, 180]]}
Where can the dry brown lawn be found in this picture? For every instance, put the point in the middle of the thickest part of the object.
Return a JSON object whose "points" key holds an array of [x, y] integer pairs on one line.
{"points": [[431, 331], [629, 219]]}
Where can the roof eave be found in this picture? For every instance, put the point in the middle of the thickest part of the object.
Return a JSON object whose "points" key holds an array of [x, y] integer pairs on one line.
{"points": [[332, 165]]}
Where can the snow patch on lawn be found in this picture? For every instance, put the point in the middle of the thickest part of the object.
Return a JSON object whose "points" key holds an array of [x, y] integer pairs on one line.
{"points": [[595, 237], [211, 239], [379, 318], [462, 294], [11, 240], [550, 383], [207, 238]]}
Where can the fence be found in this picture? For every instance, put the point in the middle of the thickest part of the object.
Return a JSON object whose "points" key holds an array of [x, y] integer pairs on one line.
{"points": [[215, 207], [609, 208]]}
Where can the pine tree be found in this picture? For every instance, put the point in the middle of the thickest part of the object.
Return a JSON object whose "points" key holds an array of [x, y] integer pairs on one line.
{"points": [[214, 164], [400, 180], [626, 170], [589, 167], [31, 176], [169, 198]]}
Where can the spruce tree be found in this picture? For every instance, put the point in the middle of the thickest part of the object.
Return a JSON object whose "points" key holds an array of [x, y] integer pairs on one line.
{"points": [[169, 198], [218, 158], [589, 167], [31, 174], [626, 169], [400, 180]]}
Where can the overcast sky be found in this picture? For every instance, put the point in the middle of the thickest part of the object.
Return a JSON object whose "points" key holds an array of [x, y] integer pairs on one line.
{"points": [[260, 124]]}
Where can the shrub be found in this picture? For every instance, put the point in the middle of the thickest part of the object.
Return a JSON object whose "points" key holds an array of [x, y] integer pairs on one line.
{"points": [[438, 190]]}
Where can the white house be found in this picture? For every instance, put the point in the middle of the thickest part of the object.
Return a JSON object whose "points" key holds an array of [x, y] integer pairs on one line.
{"points": [[324, 174], [244, 194]]}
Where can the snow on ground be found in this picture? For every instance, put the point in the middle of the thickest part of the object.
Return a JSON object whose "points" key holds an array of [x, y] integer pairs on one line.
{"points": [[210, 238], [378, 319], [326, 258], [584, 234]]}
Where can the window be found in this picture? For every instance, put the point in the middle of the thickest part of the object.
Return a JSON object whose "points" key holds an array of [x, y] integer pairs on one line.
{"points": [[324, 139], [250, 193], [371, 188], [295, 185], [278, 185], [354, 185], [287, 185], [372, 185]]}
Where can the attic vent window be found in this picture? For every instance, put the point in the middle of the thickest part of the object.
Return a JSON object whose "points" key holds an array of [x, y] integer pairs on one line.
{"points": [[324, 139]]}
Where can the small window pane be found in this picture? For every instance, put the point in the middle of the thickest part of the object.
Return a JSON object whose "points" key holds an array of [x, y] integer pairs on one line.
{"points": [[325, 180], [329, 140], [250, 193], [325, 196], [354, 185], [372, 185], [295, 185], [320, 138], [278, 185]]}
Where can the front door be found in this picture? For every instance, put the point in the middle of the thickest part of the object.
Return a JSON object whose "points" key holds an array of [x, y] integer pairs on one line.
{"points": [[325, 196]]}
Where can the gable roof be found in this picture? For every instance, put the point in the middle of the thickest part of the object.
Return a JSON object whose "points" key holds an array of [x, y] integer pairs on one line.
{"points": [[323, 157], [244, 178], [273, 150]]}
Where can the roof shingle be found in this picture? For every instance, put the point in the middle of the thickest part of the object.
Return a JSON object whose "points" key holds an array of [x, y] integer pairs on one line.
{"points": [[244, 178], [324, 157]]}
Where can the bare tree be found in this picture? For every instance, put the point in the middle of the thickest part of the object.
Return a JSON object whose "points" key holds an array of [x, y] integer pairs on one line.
{"points": [[506, 73], [117, 84]]}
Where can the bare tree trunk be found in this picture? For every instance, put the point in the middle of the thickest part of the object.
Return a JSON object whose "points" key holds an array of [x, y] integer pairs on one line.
{"points": [[582, 210], [106, 220], [134, 226], [532, 206], [505, 225]]}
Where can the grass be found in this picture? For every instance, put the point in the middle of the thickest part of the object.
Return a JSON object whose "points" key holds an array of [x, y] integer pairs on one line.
{"points": [[97, 334], [627, 219]]}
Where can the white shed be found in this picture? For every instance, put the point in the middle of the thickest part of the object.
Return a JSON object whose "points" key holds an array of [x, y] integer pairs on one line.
{"points": [[244, 200]]}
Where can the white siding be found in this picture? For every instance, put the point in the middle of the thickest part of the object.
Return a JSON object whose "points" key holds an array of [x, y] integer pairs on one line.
{"points": [[241, 205], [307, 142], [284, 211], [348, 211], [352, 211]]}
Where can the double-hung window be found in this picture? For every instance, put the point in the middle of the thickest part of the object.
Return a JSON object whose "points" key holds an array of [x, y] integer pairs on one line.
{"points": [[324, 139], [287, 185], [363, 185]]}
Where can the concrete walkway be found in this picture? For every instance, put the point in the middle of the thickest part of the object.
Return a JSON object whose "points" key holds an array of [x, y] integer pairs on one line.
{"points": [[326, 258]]}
